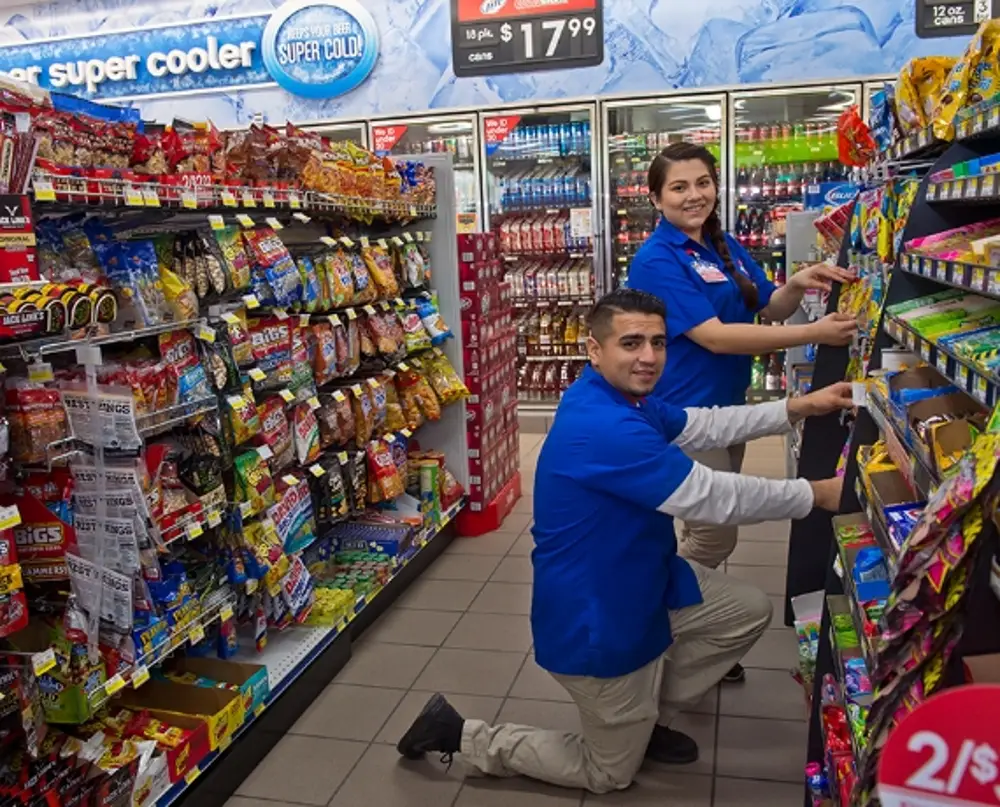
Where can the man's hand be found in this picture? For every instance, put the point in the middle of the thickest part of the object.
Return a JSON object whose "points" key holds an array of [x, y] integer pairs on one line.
{"points": [[826, 493], [821, 402]]}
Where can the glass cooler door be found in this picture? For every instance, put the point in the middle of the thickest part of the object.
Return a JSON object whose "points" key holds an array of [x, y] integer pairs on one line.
{"points": [[784, 141], [636, 132], [539, 177], [455, 135], [356, 133]]}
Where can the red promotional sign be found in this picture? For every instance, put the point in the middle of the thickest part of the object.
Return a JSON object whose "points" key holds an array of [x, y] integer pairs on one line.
{"points": [[384, 138], [945, 753], [497, 130], [484, 10]]}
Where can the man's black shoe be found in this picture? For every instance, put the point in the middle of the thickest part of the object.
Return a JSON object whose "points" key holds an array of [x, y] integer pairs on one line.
{"points": [[735, 676], [671, 747], [438, 727]]}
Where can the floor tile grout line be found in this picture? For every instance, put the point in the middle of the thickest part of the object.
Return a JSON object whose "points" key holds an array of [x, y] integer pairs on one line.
{"points": [[715, 741]]}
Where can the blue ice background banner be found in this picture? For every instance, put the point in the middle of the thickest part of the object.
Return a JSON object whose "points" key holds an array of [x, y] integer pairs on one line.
{"points": [[650, 46]]}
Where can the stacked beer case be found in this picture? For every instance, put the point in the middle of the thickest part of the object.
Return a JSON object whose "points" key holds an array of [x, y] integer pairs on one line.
{"points": [[490, 358]]}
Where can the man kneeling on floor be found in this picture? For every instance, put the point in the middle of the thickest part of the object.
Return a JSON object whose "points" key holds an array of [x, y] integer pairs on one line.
{"points": [[632, 631]]}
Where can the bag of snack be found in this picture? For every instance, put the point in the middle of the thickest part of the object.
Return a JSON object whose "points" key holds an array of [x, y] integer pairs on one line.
{"points": [[305, 434], [253, 483], [364, 287], [430, 315], [380, 269], [385, 481]]}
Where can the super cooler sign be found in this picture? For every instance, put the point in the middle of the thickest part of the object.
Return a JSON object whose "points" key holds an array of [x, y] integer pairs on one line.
{"points": [[518, 36]]}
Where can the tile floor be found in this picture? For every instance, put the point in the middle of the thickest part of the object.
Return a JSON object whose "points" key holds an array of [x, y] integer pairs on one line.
{"points": [[463, 630]]}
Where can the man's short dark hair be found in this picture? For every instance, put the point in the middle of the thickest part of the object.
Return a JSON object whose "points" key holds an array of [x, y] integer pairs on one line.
{"points": [[622, 301]]}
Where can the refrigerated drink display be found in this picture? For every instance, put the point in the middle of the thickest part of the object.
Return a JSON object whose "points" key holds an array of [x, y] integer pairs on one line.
{"points": [[784, 143], [356, 133], [539, 180], [637, 132], [455, 136]]}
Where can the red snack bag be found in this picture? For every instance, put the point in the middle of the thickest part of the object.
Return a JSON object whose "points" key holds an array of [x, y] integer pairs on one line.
{"points": [[855, 145], [384, 480], [275, 431]]}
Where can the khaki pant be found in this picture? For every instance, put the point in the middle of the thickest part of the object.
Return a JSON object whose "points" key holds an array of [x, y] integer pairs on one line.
{"points": [[711, 544], [618, 714]]}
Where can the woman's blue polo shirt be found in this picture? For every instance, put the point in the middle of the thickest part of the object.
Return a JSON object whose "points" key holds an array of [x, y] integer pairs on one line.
{"points": [[607, 572], [690, 280]]}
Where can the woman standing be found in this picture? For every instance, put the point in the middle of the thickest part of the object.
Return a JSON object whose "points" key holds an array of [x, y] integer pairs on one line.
{"points": [[713, 291]]}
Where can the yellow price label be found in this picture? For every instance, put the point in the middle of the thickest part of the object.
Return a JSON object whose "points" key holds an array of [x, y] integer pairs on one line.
{"points": [[248, 199], [10, 517], [191, 775], [330, 242], [339, 396], [257, 374], [245, 220], [383, 243], [408, 238], [42, 662], [228, 200], [40, 372], [290, 480], [140, 675], [251, 301], [114, 684], [133, 196], [273, 223], [369, 310], [258, 710], [268, 200], [313, 402], [280, 313], [189, 201], [317, 470], [216, 222], [294, 201], [347, 242], [194, 530], [213, 518], [342, 457], [251, 586], [352, 314], [150, 198], [196, 634], [303, 320], [397, 241], [365, 243], [287, 395], [226, 612], [230, 318], [205, 333], [44, 192]]}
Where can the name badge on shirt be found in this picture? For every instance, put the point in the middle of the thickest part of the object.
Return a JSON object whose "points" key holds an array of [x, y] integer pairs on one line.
{"points": [[708, 272]]}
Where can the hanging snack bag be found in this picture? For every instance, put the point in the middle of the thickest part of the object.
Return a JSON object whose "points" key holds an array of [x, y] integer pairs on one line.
{"points": [[413, 268], [414, 333], [305, 434], [340, 279], [324, 302], [364, 416], [220, 366], [352, 342], [186, 378], [244, 419], [378, 399], [332, 500], [272, 350], [275, 278], [921, 83], [234, 257], [325, 366], [253, 482], [380, 269], [394, 419], [213, 264], [429, 314], [302, 382], [446, 383], [383, 336], [345, 417], [239, 337], [310, 284], [385, 481], [180, 297], [415, 391], [364, 287], [356, 477], [882, 119], [140, 281], [275, 432]]}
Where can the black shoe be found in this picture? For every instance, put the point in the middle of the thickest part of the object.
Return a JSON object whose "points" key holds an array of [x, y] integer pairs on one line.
{"points": [[438, 727], [735, 676], [671, 747]]}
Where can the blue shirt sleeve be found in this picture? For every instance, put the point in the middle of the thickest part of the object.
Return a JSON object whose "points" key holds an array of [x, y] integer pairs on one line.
{"points": [[633, 461], [661, 273], [669, 420], [765, 287]]}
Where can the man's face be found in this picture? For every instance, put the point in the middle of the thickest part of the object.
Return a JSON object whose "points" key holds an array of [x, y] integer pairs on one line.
{"points": [[632, 355]]}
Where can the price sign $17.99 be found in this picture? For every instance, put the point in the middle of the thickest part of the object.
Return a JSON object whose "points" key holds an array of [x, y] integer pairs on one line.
{"points": [[947, 752], [510, 36]]}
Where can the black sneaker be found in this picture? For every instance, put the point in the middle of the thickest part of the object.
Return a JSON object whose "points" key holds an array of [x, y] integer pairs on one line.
{"points": [[735, 676], [438, 727], [671, 747]]}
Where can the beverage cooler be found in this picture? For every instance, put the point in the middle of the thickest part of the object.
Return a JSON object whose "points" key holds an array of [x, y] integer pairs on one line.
{"points": [[783, 142], [636, 132], [539, 180], [356, 133], [456, 135]]}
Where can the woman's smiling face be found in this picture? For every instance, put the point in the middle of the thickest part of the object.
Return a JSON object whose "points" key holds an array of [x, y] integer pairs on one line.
{"points": [[688, 196]]}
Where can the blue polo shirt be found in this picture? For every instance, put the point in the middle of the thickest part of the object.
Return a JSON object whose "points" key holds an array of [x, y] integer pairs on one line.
{"points": [[606, 566], [690, 280]]}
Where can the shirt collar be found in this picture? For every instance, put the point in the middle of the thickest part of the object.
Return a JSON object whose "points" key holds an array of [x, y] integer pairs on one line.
{"points": [[596, 380], [672, 234]]}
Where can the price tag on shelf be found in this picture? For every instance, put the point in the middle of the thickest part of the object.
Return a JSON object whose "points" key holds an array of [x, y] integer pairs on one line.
{"points": [[364, 242], [257, 374], [988, 185], [280, 313], [44, 192], [995, 116], [302, 217], [294, 201], [980, 388], [303, 320], [971, 188], [40, 372], [925, 351], [339, 396], [196, 634], [226, 612], [993, 283], [942, 362], [268, 200], [351, 314], [114, 684], [383, 243], [420, 237], [369, 310], [932, 191], [150, 198], [290, 479], [191, 775], [265, 452], [205, 333], [248, 199], [945, 752], [962, 376], [342, 457], [213, 518], [941, 270], [140, 675], [251, 301], [225, 742], [978, 279], [228, 200], [313, 403], [330, 242], [408, 238], [10, 517], [133, 196], [194, 530], [347, 242], [286, 395], [396, 240], [216, 222], [274, 224], [230, 318], [317, 470], [251, 586], [188, 200], [245, 220], [42, 662]]}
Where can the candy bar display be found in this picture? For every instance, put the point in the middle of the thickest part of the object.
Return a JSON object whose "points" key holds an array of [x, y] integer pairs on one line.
{"points": [[539, 177]]}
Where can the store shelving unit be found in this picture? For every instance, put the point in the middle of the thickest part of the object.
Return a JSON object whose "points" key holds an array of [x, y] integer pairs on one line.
{"points": [[817, 566]]}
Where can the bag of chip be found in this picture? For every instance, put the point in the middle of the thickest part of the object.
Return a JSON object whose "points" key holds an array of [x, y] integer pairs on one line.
{"points": [[306, 434], [239, 336], [356, 477], [324, 363], [235, 260], [364, 287], [394, 419], [385, 481], [380, 269], [179, 295], [430, 315], [275, 432], [339, 278], [414, 333], [244, 419], [364, 416], [446, 383], [253, 483]]}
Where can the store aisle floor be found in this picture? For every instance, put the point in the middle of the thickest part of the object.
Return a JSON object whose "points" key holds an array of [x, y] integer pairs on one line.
{"points": [[463, 630]]}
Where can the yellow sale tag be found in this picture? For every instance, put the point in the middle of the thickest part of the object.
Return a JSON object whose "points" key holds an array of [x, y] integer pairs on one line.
{"points": [[364, 242], [251, 301], [294, 201], [273, 223], [150, 198], [194, 530], [397, 241], [316, 470], [280, 313], [370, 310], [228, 200], [196, 634], [420, 237], [339, 396], [287, 395], [205, 333], [403, 366], [390, 438], [114, 684], [140, 676], [290, 480], [259, 710], [191, 775], [225, 742], [10, 517], [133, 196], [352, 314], [40, 372], [268, 199], [226, 612], [257, 374], [325, 239], [251, 586], [342, 457], [313, 402], [215, 222], [248, 200], [42, 662], [373, 383], [189, 201], [245, 220], [347, 242], [383, 243], [303, 320], [44, 192], [230, 318], [408, 238], [406, 433], [213, 518]]}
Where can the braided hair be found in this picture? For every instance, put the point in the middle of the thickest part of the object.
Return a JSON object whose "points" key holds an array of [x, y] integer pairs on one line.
{"points": [[712, 228]]}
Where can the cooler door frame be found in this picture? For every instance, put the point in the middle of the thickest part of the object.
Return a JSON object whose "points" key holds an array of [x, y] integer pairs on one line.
{"points": [[591, 105], [478, 166], [855, 86], [649, 100], [341, 126]]}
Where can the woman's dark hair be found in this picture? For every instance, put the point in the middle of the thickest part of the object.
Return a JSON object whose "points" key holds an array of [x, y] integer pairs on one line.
{"points": [[712, 229]]}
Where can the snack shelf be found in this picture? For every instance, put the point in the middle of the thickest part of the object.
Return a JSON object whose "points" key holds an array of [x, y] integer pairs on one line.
{"points": [[912, 463], [51, 193], [164, 419], [289, 653], [835, 604], [854, 606], [916, 144], [63, 342], [979, 120], [966, 376], [138, 673], [878, 527], [973, 277], [975, 188]]}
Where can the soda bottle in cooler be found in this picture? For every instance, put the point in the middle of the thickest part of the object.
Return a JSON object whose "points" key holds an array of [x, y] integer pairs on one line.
{"points": [[548, 237], [582, 190], [774, 133], [742, 183], [767, 182], [558, 234], [781, 182], [743, 227]]}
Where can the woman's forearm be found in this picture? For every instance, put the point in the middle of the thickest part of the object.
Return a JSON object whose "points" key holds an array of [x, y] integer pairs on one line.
{"points": [[782, 304], [749, 340]]}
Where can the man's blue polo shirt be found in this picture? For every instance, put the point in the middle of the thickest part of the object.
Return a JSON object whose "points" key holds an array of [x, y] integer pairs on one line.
{"points": [[606, 566], [688, 277]]}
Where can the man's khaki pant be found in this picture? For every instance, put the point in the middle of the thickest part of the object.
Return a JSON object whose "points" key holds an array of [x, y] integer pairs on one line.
{"points": [[711, 544], [618, 714]]}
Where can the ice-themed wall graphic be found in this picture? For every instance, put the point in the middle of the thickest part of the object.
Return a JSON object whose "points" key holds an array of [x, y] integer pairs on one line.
{"points": [[649, 46]]}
